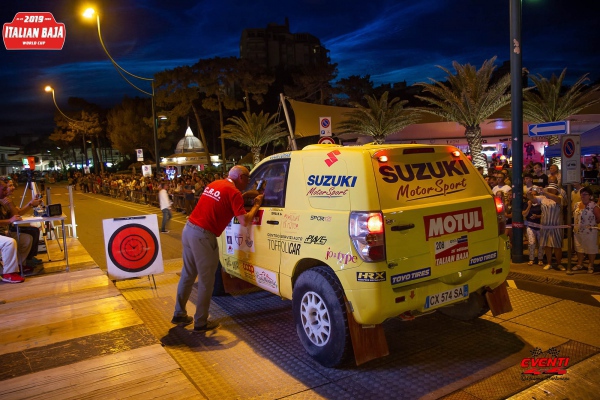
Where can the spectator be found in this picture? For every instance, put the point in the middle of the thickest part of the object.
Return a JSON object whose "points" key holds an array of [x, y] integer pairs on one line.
{"points": [[188, 196], [25, 240], [10, 209], [553, 169], [165, 206], [539, 178], [533, 213], [10, 269], [528, 183], [550, 238], [501, 185], [587, 216]]}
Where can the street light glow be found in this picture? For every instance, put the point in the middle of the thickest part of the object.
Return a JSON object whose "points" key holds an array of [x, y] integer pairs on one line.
{"points": [[89, 13], [48, 89]]}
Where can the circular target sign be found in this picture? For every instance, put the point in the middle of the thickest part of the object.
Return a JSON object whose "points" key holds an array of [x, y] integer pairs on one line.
{"points": [[133, 248]]}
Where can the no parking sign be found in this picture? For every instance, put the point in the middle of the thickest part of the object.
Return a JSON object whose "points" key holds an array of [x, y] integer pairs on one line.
{"points": [[132, 246], [571, 159]]}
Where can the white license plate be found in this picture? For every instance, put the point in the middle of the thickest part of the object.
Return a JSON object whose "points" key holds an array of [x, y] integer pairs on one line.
{"points": [[446, 297]]}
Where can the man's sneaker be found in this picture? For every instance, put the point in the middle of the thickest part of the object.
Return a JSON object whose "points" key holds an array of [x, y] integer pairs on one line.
{"points": [[560, 267], [209, 326], [165, 231], [35, 260], [185, 320], [547, 267], [12, 278]]}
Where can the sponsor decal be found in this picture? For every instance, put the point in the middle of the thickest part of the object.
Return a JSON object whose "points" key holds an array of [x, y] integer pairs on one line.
{"points": [[483, 258], [343, 258], [370, 276], [315, 239], [34, 31], [423, 171], [469, 220], [411, 276], [262, 278], [442, 170], [290, 221], [284, 237], [447, 251], [329, 186], [280, 155], [284, 246], [320, 218], [332, 158], [544, 364], [332, 180], [229, 241]]}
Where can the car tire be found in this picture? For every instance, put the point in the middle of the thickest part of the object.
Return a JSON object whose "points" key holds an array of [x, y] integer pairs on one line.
{"points": [[320, 317], [474, 307]]}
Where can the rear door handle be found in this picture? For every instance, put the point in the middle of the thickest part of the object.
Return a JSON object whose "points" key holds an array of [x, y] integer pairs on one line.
{"points": [[273, 222], [402, 227]]}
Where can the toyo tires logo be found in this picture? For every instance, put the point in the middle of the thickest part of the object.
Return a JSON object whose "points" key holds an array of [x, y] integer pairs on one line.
{"points": [[34, 31]]}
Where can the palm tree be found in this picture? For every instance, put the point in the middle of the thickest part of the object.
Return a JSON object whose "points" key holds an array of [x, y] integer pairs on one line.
{"points": [[468, 98], [380, 119], [254, 131], [550, 102]]}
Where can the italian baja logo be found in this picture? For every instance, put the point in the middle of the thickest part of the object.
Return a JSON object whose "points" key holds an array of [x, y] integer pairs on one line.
{"points": [[543, 364], [34, 31]]}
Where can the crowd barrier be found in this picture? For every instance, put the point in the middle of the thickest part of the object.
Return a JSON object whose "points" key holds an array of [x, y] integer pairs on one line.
{"points": [[144, 197]]}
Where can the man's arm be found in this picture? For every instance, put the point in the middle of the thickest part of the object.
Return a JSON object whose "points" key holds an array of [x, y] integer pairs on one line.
{"points": [[246, 219]]}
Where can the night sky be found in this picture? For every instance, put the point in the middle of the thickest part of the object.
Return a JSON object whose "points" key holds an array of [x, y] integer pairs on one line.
{"points": [[392, 41]]}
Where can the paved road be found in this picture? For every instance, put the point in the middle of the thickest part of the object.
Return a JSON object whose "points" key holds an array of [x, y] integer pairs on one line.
{"points": [[255, 352]]}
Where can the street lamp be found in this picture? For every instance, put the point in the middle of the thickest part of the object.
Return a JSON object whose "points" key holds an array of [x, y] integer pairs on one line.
{"points": [[74, 122], [89, 13]]}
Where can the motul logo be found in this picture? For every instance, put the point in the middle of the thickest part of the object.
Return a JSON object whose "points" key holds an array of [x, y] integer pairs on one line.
{"points": [[453, 222]]}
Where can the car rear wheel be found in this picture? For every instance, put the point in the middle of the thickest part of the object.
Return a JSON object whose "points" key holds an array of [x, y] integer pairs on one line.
{"points": [[320, 316]]}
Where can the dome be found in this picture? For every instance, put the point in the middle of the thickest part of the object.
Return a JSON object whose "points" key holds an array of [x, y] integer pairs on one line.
{"points": [[189, 143]]}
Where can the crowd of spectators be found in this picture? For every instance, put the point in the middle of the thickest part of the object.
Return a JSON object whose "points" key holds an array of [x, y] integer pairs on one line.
{"points": [[545, 207]]}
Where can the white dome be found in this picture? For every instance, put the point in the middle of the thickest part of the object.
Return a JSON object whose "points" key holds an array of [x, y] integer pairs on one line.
{"points": [[189, 143]]}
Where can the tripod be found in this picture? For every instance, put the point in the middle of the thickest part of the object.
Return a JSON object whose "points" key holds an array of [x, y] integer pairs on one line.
{"points": [[35, 193]]}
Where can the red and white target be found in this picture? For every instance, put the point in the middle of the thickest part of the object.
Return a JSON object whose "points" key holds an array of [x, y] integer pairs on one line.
{"points": [[132, 246]]}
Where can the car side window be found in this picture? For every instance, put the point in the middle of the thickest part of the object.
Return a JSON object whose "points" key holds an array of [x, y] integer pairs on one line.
{"points": [[270, 179]]}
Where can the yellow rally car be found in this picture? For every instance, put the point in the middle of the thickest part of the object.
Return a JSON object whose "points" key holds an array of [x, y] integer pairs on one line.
{"points": [[357, 235]]}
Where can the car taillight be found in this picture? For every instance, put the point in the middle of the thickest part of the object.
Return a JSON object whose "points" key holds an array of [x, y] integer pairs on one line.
{"points": [[367, 234], [500, 215]]}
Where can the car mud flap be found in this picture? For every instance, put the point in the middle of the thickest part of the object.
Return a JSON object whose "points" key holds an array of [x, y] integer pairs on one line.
{"points": [[498, 300], [368, 341], [233, 285]]}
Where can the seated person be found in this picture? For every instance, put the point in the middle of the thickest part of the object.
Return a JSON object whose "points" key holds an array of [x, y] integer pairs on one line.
{"points": [[10, 210], [25, 240], [10, 267]]}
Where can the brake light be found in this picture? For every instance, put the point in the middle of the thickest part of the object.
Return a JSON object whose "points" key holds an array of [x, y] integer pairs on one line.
{"points": [[367, 234], [455, 153], [500, 215]]}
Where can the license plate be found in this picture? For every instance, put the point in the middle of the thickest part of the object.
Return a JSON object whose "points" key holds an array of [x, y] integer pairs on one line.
{"points": [[446, 297]]}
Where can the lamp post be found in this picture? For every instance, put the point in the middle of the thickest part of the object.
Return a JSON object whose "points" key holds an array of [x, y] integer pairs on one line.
{"points": [[89, 13], [516, 95], [72, 121]]}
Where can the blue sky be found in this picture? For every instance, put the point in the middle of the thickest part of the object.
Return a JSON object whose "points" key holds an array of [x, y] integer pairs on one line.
{"points": [[392, 41]]}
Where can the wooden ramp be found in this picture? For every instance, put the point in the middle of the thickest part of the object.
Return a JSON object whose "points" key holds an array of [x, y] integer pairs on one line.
{"points": [[74, 336]]}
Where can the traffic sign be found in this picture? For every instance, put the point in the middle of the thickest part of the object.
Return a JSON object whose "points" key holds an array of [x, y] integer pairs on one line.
{"points": [[570, 159], [326, 140], [325, 126], [549, 128]]}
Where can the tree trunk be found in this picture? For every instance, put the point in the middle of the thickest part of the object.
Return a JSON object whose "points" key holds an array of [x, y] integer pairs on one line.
{"points": [[94, 156], [378, 139], [221, 124], [202, 136], [473, 135], [554, 139], [255, 154], [100, 154]]}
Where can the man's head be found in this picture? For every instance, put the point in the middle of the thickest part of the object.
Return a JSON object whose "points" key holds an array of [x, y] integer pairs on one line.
{"points": [[528, 179], [537, 168], [553, 179], [240, 176], [553, 169], [500, 177]]}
